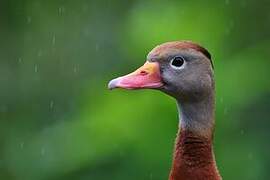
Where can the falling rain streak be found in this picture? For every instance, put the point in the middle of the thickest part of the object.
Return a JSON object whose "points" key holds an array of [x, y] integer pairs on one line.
{"points": [[51, 104], [36, 68]]}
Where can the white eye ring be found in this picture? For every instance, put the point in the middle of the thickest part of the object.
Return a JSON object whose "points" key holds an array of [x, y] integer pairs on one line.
{"points": [[178, 62]]}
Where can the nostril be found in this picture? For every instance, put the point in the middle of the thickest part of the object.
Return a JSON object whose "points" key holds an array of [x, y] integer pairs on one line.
{"points": [[143, 73]]}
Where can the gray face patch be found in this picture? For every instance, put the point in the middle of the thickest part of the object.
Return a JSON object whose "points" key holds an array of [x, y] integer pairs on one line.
{"points": [[191, 84], [191, 80]]}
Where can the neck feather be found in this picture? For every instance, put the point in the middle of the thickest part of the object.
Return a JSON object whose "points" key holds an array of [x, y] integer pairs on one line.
{"points": [[198, 116], [193, 156]]}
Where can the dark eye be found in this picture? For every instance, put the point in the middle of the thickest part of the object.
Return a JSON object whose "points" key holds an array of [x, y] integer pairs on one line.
{"points": [[177, 61]]}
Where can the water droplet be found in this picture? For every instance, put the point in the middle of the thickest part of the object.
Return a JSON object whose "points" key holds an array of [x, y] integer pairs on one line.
{"points": [[22, 145], [36, 68], [97, 47], [86, 32], [53, 40], [76, 68], [221, 100], [250, 156], [225, 110], [39, 53], [29, 19], [242, 132], [227, 2], [42, 152], [20, 60], [61, 10], [51, 104]]}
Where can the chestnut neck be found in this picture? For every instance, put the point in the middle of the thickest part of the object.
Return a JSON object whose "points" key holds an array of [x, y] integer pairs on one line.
{"points": [[193, 155]]}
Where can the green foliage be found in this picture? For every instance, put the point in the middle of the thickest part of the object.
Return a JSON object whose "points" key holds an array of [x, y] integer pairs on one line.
{"points": [[59, 121]]}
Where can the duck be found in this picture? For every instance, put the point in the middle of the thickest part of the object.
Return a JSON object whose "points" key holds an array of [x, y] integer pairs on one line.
{"points": [[183, 70]]}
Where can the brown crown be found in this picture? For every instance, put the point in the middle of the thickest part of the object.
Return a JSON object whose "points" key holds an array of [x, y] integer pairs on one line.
{"points": [[183, 45]]}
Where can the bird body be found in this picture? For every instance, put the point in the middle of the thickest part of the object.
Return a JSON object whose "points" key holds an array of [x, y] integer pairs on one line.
{"points": [[183, 70]]}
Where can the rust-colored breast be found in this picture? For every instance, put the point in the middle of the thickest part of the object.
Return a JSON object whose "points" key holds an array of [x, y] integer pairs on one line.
{"points": [[193, 158]]}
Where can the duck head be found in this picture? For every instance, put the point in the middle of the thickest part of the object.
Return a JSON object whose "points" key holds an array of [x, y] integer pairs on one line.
{"points": [[181, 69]]}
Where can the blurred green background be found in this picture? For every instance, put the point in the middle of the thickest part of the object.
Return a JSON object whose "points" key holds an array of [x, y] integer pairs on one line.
{"points": [[59, 121]]}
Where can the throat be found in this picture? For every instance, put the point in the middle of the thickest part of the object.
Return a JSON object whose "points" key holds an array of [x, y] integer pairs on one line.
{"points": [[193, 155], [198, 117]]}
